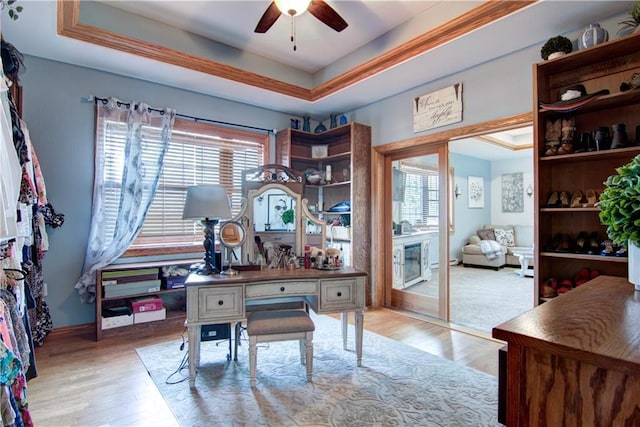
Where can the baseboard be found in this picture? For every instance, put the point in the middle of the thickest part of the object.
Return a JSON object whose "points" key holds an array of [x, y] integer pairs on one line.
{"points": [[75, 329]]}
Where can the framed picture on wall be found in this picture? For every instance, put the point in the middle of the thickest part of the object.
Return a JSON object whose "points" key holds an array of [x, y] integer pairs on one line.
{"points": [[476, 191], [512, 192]]}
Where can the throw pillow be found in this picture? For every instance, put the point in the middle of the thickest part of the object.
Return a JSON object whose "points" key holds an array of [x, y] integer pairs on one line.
{"points": [[486, 234], [505, 237]]}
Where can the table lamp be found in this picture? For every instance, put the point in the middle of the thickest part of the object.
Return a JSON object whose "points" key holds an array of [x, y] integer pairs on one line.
{"points": [[208, 203]]}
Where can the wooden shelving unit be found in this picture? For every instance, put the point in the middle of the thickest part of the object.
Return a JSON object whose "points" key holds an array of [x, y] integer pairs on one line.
{"points": [[604, 66], [349, 155], [176, 313]]}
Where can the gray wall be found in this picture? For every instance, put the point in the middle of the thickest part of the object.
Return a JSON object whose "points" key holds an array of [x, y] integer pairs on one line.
{"points": [[61, 127]]}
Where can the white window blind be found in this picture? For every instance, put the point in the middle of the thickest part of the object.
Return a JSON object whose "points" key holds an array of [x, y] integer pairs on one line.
{"points": [[421, 195], [199, 153]]}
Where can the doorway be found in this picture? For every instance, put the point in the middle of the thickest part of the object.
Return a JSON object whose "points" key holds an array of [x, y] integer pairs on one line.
{"points": [[383, 158], [417, 221]]}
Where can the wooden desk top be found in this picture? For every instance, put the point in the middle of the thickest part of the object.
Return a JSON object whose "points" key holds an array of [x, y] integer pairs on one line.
{"points": [[598, 323], [273, 274]]}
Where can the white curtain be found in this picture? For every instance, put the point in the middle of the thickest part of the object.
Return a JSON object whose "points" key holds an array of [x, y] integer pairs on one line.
{"points": [[147, 140]]}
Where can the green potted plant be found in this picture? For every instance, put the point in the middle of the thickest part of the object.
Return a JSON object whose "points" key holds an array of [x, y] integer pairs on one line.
{"points": [[620, 212], [556, 46], [288, 217], [631, 25]]}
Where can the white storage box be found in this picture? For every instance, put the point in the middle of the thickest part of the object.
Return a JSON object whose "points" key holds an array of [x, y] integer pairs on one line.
{"points": [[150, 316], [117, 321]]}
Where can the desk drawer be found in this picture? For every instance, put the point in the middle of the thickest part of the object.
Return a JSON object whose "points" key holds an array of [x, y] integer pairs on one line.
{"points": [[274, 289], [341, 294], [220, 303]]}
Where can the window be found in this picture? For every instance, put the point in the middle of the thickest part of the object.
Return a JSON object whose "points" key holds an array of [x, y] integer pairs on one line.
{"points": [[199, 153], [421, 195]]}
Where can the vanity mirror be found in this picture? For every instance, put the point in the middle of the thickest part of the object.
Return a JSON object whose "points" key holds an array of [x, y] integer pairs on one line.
{"points": [[278, 217], [232, 236]]}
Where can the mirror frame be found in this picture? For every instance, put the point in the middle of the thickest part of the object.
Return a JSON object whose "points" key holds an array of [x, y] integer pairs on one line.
{"points": [[302, 215], [251, 232]]}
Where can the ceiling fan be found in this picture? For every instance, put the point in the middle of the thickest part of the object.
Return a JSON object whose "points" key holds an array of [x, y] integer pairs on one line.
{"points": [[318, 8]]}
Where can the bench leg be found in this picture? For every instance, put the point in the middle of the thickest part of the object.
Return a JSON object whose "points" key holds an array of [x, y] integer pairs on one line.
{"points": [[309, 354], [303, 351], [253, 353]]}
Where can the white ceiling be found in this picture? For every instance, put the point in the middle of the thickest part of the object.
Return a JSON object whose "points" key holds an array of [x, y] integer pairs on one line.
{"points": [[233, 22], [374, 27]]}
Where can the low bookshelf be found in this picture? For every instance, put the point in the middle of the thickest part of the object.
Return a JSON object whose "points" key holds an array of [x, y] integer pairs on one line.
{"points": [[119, 286]]}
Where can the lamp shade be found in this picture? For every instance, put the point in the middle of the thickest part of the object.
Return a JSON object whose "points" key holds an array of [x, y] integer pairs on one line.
{"points": [[206, 201]]}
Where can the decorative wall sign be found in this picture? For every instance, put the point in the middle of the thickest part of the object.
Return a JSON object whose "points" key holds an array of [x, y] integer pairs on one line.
{"points": [[476, 191], [438, 108], [512, 192]]}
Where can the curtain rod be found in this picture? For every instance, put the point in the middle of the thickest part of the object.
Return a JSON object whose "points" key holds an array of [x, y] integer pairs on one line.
{"points": [[95, 100]]}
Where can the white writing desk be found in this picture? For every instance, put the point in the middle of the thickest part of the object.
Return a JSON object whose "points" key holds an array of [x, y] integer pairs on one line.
{"points": [[221, 299]]}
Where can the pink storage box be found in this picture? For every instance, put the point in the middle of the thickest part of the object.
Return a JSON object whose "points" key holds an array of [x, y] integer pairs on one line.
{"points": [[141, 305]]}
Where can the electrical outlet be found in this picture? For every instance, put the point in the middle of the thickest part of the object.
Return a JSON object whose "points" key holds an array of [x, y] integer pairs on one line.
{"points": [[45, 289]]}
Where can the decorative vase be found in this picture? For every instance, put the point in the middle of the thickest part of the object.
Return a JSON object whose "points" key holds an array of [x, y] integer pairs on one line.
{"points": [[333, 120], [593, 35], [343, 120], [633, 253], [306, 123], [295, 123], [320, 128]]}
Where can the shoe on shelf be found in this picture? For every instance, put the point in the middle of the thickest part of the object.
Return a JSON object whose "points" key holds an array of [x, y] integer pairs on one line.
{"points": [[622, 251], [576, 199], [565, 244], [582, 277], [553, 245], [594, 244], [553, 201], [594, 274], [582, 242], [564, 199], [548, 288], [564, 286], [592, 198], [608, 248]]}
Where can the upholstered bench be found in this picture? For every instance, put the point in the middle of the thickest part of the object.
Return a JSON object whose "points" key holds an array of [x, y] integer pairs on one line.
{"points": [[270, 326], [272, 304]]}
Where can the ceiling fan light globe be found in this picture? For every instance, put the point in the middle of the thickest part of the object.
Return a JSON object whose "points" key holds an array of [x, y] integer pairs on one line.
{"points": [[293, 7]]}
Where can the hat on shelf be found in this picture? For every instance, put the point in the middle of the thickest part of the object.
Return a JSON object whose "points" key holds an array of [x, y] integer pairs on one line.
{"points": [[571, 98]]}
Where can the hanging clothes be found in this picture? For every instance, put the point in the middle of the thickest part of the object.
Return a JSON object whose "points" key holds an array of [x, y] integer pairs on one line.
{"points": [[11, 175]]}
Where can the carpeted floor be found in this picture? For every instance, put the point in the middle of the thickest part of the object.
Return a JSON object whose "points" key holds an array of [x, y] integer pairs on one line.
{"points": [[483, 298], [396, 385]]}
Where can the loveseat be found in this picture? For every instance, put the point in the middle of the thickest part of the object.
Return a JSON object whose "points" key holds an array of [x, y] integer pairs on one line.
{"points": [[510, 239]]}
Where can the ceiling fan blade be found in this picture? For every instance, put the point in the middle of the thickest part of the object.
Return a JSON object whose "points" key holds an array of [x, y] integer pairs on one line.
{"points": [[269, 18], [327, 15]]}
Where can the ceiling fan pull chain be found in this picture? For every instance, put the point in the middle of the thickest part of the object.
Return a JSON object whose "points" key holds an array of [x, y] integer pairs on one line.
{"points": [[293, 32]]}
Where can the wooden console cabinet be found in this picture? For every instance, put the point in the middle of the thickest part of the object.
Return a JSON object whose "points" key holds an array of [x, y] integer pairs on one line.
{"points": [[575, 360]]}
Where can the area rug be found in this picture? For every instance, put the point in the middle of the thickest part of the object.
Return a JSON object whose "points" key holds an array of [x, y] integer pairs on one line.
{"points": [[396, 385]]}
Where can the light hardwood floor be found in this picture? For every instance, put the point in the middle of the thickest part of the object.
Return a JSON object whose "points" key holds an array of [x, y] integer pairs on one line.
{"points": [[86, 383]]}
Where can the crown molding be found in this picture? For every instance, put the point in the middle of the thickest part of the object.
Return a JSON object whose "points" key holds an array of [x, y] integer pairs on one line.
{"points": [[68, 12]]}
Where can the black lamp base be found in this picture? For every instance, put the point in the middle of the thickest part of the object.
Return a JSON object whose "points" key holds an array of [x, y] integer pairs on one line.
{"points": [[208, 266]]}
